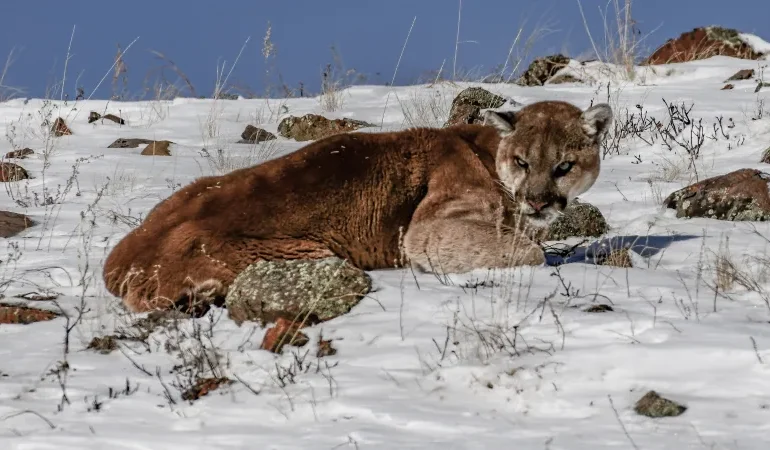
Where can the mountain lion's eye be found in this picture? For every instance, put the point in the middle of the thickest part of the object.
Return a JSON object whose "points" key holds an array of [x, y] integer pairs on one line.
{"points": [[523, 164], [563, 168]]}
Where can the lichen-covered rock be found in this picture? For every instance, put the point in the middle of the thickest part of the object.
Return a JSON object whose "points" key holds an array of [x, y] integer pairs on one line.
{"points": [[655, 406], [579, 219], [703, 43], [542, 69], [467, 105], [253, 135], [311, 127], [741, 195], [12, 172], [312, 291]]}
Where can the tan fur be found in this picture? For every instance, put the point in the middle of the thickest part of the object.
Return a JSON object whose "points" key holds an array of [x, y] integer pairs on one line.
{"points": [[352, 195]]}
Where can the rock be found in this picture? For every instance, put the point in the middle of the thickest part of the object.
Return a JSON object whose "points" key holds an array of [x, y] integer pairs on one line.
{"points": [[599, 308], [467, 106], [741, 195], [60, 128], [542, 69], [157, 148], [12, 223], [284, 332], [760, 85], [728, 86], [579, 219], [252, 135], [12, 172], [744, 74], [129, 142], [325, 348], [23, 315], [203, 386], [94, 116], [310, 290], [19, 154], [311, 127], [104, 345], [703, 43], [655, 406]]}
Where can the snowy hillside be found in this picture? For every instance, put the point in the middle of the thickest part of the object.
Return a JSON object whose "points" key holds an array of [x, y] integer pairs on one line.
{"points": [[498, 360]]}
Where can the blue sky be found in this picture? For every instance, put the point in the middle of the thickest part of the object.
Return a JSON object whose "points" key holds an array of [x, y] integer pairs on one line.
{"points": [[368, 35]]}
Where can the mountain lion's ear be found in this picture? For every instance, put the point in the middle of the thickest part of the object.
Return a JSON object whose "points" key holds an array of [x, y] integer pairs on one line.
{"points": [[503, 121], [596, 120]]}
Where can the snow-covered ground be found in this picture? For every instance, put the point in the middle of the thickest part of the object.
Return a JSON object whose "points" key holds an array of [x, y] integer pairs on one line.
{"points": [[416, 366]]}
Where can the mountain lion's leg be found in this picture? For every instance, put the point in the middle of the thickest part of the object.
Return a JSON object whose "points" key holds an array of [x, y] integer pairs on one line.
{"points": [[455, 245]]}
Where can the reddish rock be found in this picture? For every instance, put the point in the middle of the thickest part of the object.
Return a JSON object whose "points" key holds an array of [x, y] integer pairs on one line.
{"points": [[702, 43], [283, 333], [12, 223], [325, 348], [12, 172], [19, 154], [203, 386], [23, 315], [728, 87], [741, 195], [60, 128]]}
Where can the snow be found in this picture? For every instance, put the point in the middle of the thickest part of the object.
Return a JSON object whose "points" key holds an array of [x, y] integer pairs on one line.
{"points": [[757, 43], [570, 382]]}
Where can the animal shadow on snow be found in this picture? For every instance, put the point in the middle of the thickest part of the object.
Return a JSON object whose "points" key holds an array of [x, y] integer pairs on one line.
{"points": [[644, 246]]}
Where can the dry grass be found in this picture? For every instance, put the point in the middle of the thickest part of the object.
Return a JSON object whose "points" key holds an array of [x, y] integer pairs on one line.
{"points": [[622, 39], [426, 108]]}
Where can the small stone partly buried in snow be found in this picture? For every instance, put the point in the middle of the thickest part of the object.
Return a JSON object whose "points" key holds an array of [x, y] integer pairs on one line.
{"points": [[599, 308], [743, 74], [104, 345], [129, 142], [60, 128], [94, 116], [253, 135], [285, 332], [655, 406], [10, 172], [12, 223], [157, 148], [728, 87], [19, 154]]}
